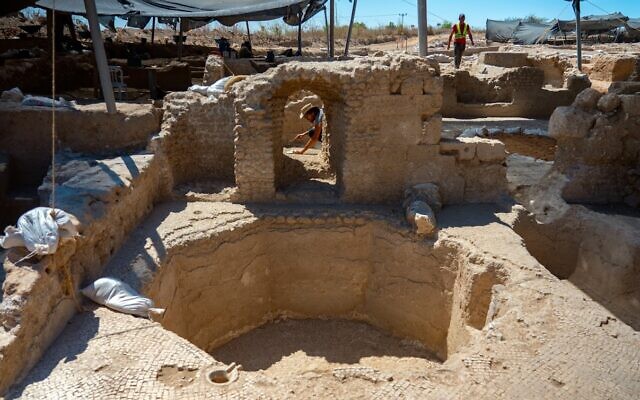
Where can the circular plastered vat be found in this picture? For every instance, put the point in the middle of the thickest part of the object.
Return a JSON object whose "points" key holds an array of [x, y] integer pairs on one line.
{"points": [[220, 376]]}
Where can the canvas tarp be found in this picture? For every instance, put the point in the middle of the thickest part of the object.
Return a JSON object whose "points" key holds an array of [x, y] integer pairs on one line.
{"points": [[632, 28], [593, 24], [520, 32], [227, 12], [529, 33], [500, 31]]}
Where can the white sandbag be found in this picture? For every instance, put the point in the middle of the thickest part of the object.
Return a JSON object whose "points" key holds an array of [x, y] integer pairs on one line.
{"points": [[118, 296], [202, 89], [218, 87], [40, 101], [39, 230]]}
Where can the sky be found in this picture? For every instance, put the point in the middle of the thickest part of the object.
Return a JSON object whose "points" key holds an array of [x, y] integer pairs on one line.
{"points": [[380, 12]]}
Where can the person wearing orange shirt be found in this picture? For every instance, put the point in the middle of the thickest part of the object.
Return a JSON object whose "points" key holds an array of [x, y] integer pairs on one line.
{"points": [[460, 31]]}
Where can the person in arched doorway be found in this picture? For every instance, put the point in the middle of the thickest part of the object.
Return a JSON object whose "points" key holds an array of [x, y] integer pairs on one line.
{"points": [[315, 115], [460, 30]]}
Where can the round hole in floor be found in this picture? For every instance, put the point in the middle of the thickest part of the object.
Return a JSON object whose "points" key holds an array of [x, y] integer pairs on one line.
{"points": [[222, 377]]}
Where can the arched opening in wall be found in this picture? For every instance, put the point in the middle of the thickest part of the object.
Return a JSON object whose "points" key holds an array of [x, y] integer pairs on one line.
{"points": [[303, 167]]}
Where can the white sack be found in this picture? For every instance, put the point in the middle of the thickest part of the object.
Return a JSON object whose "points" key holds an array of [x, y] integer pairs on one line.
{"points": [[39, 231], [202, 89], [218, 87], [118, 296], [46, 102]]}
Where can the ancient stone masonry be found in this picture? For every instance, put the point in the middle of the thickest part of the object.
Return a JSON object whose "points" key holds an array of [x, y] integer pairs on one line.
{"points": [[599, 148], [197, 136], [511, 85], [382, 122], [419, 238], [108, 197]]}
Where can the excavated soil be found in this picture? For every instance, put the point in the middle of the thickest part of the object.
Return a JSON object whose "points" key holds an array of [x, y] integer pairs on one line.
{"points": [[538, 147]]}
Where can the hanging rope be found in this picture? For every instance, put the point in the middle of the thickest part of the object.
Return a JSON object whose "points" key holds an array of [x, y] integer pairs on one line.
{"points": [[67, 276], [52, 199]]}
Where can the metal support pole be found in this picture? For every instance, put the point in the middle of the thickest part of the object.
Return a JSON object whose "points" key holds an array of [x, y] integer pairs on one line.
{"points": [[576, 7], [326, 27], [180, 41], [353, 15], [422, 27], [300, 33], [332, 25], [101, 55], [153, 29], [248, 31]]}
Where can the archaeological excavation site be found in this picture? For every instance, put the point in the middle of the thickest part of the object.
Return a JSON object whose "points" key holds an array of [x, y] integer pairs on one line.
{"points": [[439, 232]]}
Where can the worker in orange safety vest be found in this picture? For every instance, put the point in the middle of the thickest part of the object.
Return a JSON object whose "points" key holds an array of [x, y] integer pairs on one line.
{"points": [[460, 30]]}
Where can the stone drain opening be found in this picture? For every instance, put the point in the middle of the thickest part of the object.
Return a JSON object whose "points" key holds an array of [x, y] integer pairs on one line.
{"points": [[372, 274]]}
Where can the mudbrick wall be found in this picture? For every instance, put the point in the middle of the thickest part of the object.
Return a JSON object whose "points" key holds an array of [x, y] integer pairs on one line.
{"points": [[511, 85], [599, 148]]}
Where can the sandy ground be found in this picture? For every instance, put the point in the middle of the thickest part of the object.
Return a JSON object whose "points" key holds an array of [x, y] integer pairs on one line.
{"points": [[320, 356]]}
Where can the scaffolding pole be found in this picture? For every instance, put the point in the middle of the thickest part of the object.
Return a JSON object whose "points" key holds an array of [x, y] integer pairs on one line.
{"points": [[332, 25], [422, 27], [153, 29], [576, 7], [326, 28], [100, 55], [300, 33], [353, 15]]}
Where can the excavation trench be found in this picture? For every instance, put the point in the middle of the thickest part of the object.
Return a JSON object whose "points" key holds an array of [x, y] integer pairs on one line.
{"points": [[219, 288]]}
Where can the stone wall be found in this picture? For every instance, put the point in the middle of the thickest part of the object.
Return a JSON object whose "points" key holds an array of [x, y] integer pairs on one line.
{"points": [[26, 134], [383, 129], [107, 198], [511, 85], [599, 148], [197, 136]]}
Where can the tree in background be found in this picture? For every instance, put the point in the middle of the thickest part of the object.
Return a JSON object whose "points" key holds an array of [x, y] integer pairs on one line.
{"points": [[530, 19]]}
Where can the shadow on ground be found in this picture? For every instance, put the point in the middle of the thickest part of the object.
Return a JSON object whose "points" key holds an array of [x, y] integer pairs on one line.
{"points": [[336, 341]]}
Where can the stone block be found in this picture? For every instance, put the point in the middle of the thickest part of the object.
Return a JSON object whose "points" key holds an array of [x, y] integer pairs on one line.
{"points": [[570, 122], [433, 85], [630, 104], [462, 148], [427, 192], [213, 70], [490, 150], [431, 130], [505, 60], [608, 103], [412, 86], [421, 217], [588, 99], [612, 67]]}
